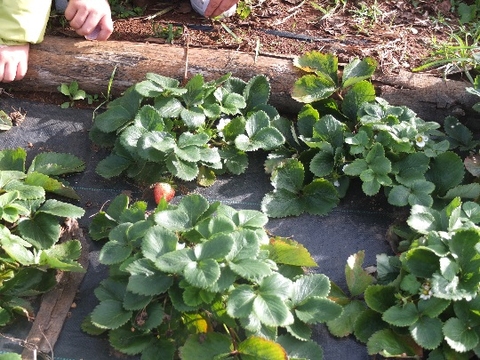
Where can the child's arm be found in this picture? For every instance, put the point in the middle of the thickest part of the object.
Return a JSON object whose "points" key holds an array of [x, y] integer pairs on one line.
{"points": [[89, 16], [218, 7], [21, 22]]}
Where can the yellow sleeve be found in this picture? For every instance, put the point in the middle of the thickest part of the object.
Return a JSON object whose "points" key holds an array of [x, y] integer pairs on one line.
{"points": [[23, 21]]}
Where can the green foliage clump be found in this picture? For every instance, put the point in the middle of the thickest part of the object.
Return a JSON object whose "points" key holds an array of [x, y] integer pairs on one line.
{"points": [[345, 132], [196, 131], [425, 301], [30, 251], [205, 281]]}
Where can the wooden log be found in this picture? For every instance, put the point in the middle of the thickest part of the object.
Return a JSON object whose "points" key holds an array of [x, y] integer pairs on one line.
{"points": [[62, 60], [431, 97], [57, 303]]}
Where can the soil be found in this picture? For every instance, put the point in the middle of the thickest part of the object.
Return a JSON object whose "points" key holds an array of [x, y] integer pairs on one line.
{"points": [[397, 34]]}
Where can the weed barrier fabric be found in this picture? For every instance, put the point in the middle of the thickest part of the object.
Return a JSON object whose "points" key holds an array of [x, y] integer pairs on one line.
{"points": [[358, 223]]}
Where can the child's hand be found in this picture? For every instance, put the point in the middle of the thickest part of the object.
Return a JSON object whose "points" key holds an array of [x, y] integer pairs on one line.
{"points": [[218, 7], [13, 62], [86, 15]]}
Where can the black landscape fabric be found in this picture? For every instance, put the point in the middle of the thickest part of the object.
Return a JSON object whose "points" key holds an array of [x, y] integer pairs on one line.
{"points": [[358, 223]]}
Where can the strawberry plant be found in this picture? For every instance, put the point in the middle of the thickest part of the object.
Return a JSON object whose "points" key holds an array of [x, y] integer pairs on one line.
{"points": [[426, 301], [30, 229], [344, 131], [204, 281], [196, 131]]}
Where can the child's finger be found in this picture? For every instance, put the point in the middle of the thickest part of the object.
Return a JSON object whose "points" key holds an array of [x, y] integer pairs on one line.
{"points": [[106, 28]]}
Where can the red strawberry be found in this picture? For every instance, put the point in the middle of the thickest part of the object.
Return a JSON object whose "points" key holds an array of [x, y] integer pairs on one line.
{"points": [[163, 190]]}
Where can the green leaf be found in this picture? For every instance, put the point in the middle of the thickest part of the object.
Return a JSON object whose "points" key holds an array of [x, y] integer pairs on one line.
{"points": [[427, 332], [311, 88], [318, 310], [175, 261], [129, 342], [446, 171], [388, 343], [13, 159], [319, 197], [110, 314], [158, 241], [323, 162], [185, 216], [289, 176], [421, 262], [148, 118], [260, 134], [357, 278], [344, 324], [318, 63], [464, 248], [5, 121], [61, 209], [281, 203], [216, 248], [240, 302], [10, 356], [202, 274], [151, 317], [411, 168], [256, 92], [377, 161], [432, 307], [236, 161], [133, 301], [193, 117], [51, 163], [51, 185], [256, 348], [358, 70], [459, 336], [359, 94], [271, 310], [120, 112], [299, 330], [380, 297], [297, 349], [166, 347], [367, 323], [467, 191], [424, 219], [42, 231], [287, 251], [113, 165], [276, 284], [114, 252], [146, 280], [356, 167], [210, 229], [27, 282], [111, 289], [401, 315], [250, 269], [308, 286], [206, 347]]}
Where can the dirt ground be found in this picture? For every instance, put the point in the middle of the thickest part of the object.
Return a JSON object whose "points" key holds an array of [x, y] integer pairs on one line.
{"points": [[396, 33]]}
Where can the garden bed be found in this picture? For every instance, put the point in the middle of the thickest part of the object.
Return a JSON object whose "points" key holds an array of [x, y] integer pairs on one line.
{"points": [[357, 224]]}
